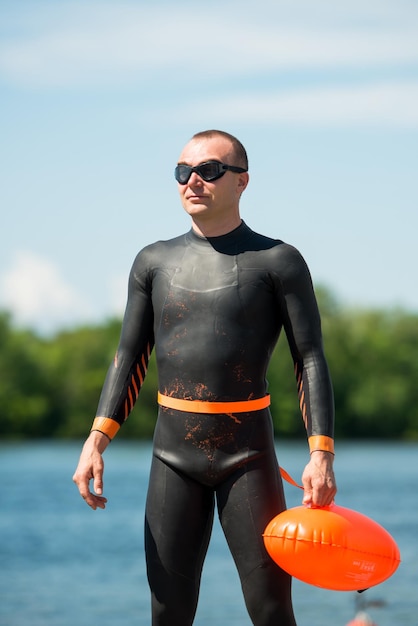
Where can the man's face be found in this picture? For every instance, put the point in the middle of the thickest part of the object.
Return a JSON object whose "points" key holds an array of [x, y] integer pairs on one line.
{"points": [[214, 200]]}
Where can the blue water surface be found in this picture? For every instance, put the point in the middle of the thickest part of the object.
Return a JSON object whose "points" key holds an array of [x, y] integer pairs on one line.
{"points": [[62, 564]]}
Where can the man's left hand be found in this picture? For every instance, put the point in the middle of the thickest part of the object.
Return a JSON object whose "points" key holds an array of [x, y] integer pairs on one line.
{"points": [[318, 480]]}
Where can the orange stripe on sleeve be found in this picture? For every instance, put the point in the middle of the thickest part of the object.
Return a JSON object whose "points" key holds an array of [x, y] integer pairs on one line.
{"points": [[135, 386], [139, 374], [131, 399]]}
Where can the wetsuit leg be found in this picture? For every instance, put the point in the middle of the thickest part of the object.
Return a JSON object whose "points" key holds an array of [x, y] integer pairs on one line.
{"points": [[247, 501], [179, 517]]}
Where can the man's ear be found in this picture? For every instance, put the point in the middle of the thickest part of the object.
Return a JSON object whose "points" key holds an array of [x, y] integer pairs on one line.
{"points": [[243, 181]]}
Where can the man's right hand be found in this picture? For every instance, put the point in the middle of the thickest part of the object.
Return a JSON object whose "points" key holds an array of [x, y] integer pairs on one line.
{"points": [[91, 467]]}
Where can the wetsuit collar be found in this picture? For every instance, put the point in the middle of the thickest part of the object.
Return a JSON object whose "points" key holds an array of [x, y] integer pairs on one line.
{"points": [[223, 243]]}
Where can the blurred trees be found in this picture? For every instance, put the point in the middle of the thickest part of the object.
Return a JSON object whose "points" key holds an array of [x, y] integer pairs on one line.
{"points": [[50, 387], [373, 359]]}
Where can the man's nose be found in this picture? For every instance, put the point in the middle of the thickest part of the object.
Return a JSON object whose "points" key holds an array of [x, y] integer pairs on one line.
{"points": [[195, 179]]}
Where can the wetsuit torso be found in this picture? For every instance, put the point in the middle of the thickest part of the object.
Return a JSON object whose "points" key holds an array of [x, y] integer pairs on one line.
{"points": [[214, 309]]}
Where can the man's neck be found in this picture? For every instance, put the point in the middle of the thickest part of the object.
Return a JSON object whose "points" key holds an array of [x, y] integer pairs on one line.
{"points": [[217, 229]]}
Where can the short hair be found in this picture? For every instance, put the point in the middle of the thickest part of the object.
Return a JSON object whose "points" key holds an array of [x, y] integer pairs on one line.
{"points": [[240, 152]]}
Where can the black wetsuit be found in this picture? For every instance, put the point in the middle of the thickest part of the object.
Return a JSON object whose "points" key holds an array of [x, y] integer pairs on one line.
{"points": [[214, 309]]}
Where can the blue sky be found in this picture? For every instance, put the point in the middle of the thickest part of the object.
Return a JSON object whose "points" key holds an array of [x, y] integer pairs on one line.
{"points": [[98, 98]]}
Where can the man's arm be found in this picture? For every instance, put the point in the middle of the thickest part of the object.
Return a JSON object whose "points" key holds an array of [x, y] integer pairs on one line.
{"points": [[127, 372], [122, 385], [303, 329]]}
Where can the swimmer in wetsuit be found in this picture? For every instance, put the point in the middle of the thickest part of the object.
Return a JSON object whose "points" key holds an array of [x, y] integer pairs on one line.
{"points": [[212, 303]]}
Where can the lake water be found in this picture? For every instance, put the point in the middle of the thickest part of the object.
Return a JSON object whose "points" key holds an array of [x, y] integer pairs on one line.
{"points": [[62, 564]]}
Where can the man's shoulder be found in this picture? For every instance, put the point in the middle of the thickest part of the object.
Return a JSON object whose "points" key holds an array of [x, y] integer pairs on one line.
{"points": [[282, 259], [152, 254], [157, 247], [275, 247]]}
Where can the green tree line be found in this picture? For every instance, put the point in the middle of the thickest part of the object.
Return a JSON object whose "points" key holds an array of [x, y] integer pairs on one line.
{"points": [[49, 387]]}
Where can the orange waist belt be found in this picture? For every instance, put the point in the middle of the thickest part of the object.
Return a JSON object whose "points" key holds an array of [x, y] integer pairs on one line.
{"points": [[201, 406]]}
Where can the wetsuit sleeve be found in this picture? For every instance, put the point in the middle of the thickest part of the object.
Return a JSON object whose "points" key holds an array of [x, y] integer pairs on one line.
{"points": [[127, 371], [302, 325]]}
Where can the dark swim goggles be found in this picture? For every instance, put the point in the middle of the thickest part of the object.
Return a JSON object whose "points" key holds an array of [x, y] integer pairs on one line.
{"points": [[210, 170]]}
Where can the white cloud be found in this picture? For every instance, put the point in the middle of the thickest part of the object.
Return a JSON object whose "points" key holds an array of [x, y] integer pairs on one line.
{"points": [[383, 104], [104, 44], [38, 296]]}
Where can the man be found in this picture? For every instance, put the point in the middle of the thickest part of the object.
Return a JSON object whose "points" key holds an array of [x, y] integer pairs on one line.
{"points": [[213, 302]]}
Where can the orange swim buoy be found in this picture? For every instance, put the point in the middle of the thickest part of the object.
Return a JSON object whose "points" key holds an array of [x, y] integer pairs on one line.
{"points": [[332, 547]]}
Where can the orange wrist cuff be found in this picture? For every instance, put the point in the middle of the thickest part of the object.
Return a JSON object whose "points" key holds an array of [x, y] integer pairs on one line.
{"points": [[322, 443], [105, 425]]}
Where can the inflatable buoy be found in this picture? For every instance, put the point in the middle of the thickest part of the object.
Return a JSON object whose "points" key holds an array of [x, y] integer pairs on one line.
{"points": [[332, 547]]}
